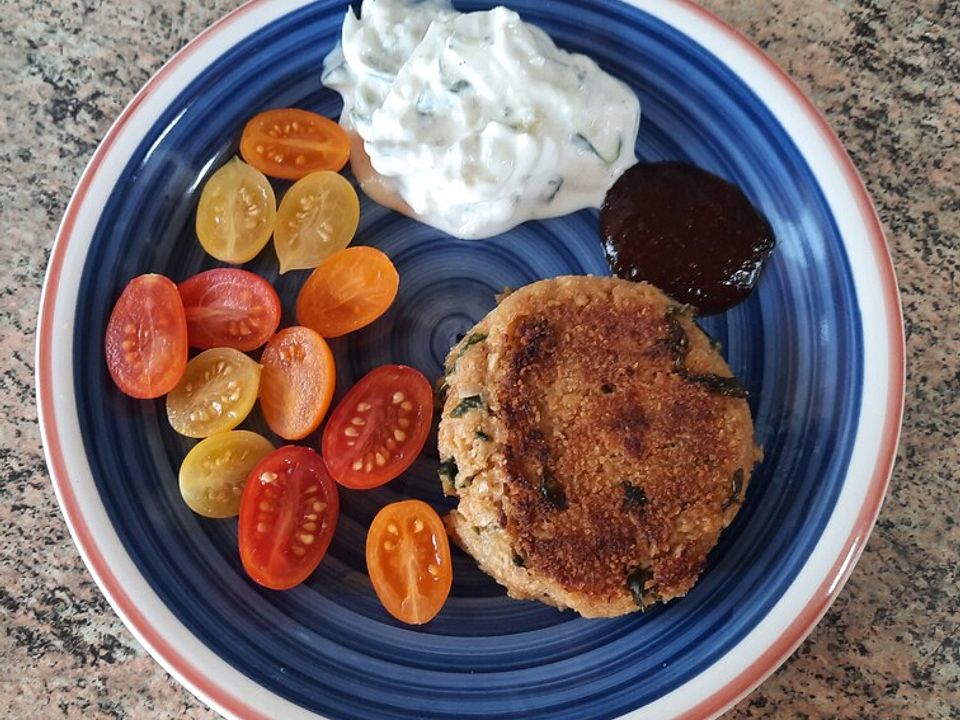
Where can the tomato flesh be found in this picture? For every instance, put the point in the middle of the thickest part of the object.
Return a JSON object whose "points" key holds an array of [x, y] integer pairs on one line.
{"points": [[214, 472], [146, 339], [379, 428], [299, 376], [289, 143], [216, 393], [288, 515], [236, 213], [317, 217], [227, 307], [408, 559], [349, 290]]}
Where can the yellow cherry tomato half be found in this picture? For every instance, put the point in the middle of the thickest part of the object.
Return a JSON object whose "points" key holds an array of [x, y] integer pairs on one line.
{"points": [[317, 217], [237, 212], [217, 391], [214, 472]]}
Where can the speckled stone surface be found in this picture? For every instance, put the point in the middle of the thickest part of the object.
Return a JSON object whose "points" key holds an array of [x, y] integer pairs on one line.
{"points": [[885, 73]]}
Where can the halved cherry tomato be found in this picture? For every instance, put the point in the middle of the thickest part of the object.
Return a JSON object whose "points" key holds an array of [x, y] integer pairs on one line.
{"points": [[351, 289], [146, 339], [227, 307], [289, 143], [379, 428], [408, 559], [287, 517], [216, 393], [317, 217], [299, 376], [236, 213], [214, 472]]}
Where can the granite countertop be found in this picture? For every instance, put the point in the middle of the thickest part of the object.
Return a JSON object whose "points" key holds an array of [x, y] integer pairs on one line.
{"points": [[884, 72]]}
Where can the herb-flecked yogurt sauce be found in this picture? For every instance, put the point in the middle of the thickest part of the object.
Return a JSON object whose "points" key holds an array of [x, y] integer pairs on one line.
{"points": [[476, 122]]}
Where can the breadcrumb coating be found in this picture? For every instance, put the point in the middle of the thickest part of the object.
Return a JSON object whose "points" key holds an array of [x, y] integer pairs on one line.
{"points": [[597, 442]]}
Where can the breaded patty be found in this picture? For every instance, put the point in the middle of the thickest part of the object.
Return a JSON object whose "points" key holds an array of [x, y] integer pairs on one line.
{"points": [[597, 442]]}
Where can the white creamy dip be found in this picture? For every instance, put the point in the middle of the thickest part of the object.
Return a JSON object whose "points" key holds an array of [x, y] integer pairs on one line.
{"points": [[476, 122]]}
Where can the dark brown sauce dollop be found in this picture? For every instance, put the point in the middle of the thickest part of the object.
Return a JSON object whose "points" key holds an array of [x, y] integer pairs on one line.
{"points": [[692, 234]]}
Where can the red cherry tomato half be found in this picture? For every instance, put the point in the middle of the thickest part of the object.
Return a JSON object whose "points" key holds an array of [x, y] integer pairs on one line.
{"points": [[232, 308], [288, 514], [379, 427], [146, 339]]}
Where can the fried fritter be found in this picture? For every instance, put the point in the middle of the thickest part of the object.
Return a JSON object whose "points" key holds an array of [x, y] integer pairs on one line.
{"points": [[598, 444]]}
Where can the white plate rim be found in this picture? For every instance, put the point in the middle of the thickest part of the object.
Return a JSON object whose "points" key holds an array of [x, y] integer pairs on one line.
{"points": [[708, 694]]}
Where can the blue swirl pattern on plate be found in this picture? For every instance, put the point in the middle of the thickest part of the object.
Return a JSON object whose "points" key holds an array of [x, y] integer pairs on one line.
{"points": [[328, 645]]}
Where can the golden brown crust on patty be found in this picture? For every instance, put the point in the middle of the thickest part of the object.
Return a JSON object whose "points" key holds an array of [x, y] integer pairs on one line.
{"points": [[596, 442]]}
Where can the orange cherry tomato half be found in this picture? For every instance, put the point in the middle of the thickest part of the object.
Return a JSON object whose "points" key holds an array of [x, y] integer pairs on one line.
{"points": [[297, 382], [408, 559], [351, 289], [289, 143], [288, 513], [231, 308], [379, 428], [146, 339]]}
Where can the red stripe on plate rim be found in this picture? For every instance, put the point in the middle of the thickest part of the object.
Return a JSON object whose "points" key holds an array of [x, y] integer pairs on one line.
{"points": [[739, 686], [113, 589], [784, 646]]}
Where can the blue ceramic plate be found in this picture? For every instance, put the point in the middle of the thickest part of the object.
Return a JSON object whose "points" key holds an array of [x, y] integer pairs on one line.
{"points": [[819, 346]]}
